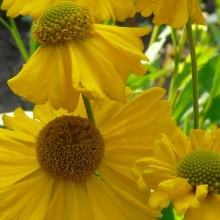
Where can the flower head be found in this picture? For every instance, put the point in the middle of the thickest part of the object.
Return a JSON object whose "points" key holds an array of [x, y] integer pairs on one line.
{"points": [[181, 11], [187, 173], [104, 10], [60, 165], [78, 56]]}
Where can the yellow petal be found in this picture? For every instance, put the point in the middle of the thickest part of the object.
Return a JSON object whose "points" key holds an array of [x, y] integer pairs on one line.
{"points": [[111, 10], [96, 80], [126, 128], [104, 203], [127, 47], [159, 199], [175, 187], [191, 199], [163, 151], [182, 203], [15, 166], [207, 210], [154, 175], [69, 201], [124, 187], [28, 199], [48, 81], [181, 144], [32, 8], [22, 124]]}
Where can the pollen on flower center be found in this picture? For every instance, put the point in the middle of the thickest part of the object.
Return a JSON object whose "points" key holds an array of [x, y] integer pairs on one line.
{"points": [[201, 167], [70, 148], [62, 21]]}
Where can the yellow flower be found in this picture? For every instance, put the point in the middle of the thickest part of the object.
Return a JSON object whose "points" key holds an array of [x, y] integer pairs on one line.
{"points": [[172, 12], [105, 10], [65, 167], [78, 55], [187, 173]]}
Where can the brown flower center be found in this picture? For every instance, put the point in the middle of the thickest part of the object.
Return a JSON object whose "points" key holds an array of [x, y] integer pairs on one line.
{"points": [[62, 21], [201, 167], [70, 148]]}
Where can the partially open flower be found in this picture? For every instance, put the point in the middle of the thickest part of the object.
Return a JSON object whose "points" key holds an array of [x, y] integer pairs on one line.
{"points": [[186, 173]]}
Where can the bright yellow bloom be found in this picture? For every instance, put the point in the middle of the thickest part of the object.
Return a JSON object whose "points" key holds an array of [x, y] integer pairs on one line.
{"points": [[56, 167], [172, 12], [187, 173], [105, 10], [78, 55]]}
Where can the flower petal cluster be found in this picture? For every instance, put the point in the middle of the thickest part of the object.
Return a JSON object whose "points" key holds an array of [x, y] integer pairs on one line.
{"points": [[96, 67], [105, 10], [172, 12], [96, 64], [27, 191], [185, 173]]}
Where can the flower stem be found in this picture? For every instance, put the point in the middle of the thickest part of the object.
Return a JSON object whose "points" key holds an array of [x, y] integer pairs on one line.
{"points": [[14, 32], [194, 74], [88, 109], [154, 34], [17, 38]]}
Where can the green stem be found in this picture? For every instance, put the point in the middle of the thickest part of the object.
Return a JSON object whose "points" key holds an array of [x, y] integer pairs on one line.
{"points": [[178, 45], [88, 109], [154, 35], [14, 31], [17, 37], [194, 74]]}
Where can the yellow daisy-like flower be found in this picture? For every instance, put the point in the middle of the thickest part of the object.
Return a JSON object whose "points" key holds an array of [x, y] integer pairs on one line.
{"points": [[78, 55], [187, 173], [62, 166], [105, 10], [172, 12]]}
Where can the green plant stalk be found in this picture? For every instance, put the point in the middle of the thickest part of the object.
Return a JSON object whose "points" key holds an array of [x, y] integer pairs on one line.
{"points": [[179, 46], [176, 63], [14, 32], [154, 35], [194, 74], [17, 37], [88, 108]]}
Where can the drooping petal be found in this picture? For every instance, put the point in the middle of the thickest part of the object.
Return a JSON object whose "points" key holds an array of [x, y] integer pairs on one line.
{"points": [[110, 9], [40, 81], [98, 77], [127, 46], [181, 11], [104, 10]]}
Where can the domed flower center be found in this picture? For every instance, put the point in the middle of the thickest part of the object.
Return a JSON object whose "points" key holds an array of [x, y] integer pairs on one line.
{"points": [[62, 21], [201, 167], [70, 148]]}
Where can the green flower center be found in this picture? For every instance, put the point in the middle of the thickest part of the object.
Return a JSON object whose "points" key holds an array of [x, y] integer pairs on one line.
{"points": [[62, 21], [70, 148], [201, 167]]}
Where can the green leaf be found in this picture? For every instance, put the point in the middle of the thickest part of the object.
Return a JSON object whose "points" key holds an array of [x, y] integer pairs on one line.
{"points": [[168, 213]]}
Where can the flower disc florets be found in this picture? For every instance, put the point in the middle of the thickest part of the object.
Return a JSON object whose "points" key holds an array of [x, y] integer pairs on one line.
{"points": [[70, 148], [201, 167], [62, 21]]}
